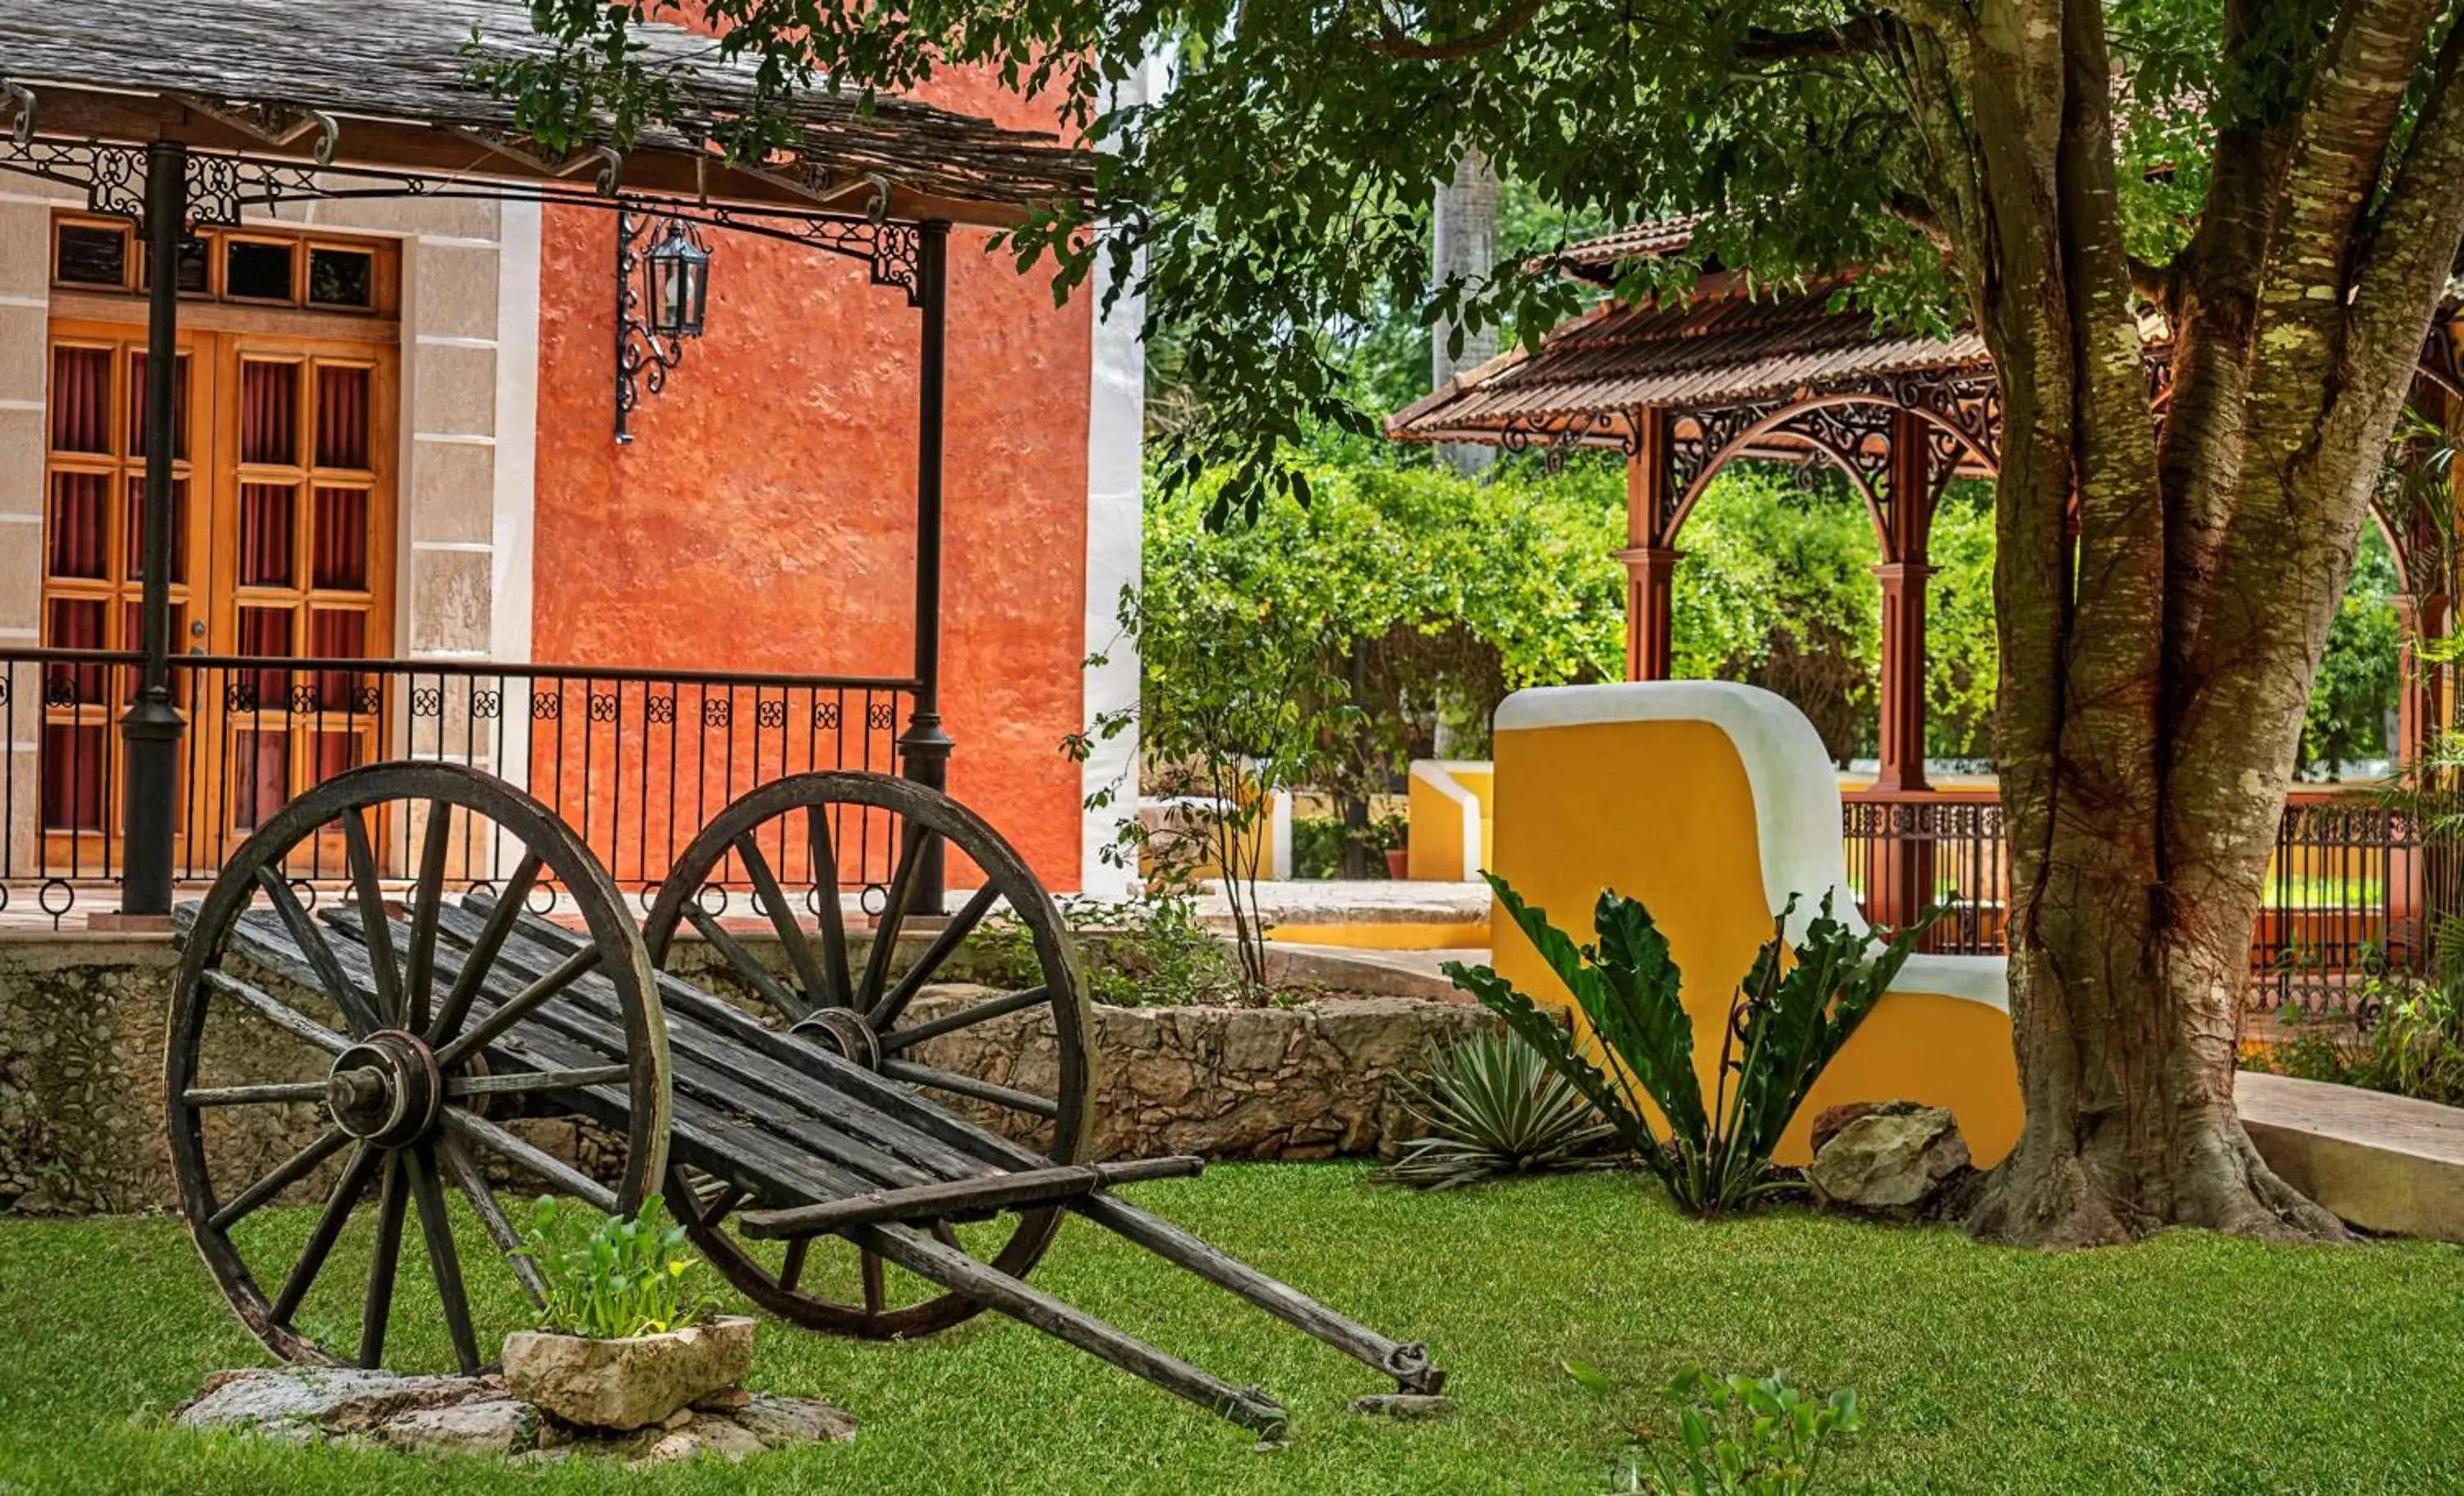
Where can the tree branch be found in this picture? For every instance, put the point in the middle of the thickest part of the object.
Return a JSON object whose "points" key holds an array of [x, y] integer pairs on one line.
{"points": [[1395, 42], [1868, 32]]}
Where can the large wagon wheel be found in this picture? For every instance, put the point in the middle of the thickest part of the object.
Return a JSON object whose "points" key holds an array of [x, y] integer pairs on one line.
{"points": [[874, 832], [384, 1032]]}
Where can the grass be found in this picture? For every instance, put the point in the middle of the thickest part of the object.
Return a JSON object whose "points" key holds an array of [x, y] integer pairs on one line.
{"points": [[2188, 1364]]}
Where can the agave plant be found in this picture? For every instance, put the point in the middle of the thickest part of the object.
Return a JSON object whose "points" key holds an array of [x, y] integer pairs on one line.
{"points": [[1797, 1005], [1493, 1105]]}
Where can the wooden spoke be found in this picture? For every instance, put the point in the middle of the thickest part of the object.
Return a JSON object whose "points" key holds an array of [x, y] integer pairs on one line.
{"points": [[968, 1085], [743, 963], [831, 917], [876, 1286], [444, 1264], [357, 1014], [280, 1013], [517, 1083], [555, 1171], [721, 1201], [376, 926], [884, 1013], [385, 1260], [419, 973], [514, 1009], [965, 1018], [338, 1205], [783, 919], [483, 951], [791, 1271], [885, 933], [253, 1096], [458, 1165], [323, 1146]]}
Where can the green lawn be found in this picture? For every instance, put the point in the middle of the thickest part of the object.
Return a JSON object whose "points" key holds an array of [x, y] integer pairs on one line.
{"points": [[2188, 1364]]}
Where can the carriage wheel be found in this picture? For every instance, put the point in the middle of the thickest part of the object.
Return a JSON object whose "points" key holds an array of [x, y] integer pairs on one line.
{"points": [[872, 832], [367, 1028]]}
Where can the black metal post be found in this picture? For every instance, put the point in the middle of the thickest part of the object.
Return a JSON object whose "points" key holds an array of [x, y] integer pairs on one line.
{"points": [[150, 729], [924, 749]]}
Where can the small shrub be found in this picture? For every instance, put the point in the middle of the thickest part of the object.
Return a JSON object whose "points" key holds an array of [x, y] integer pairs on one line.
{"points": [[1493, 1107], [1733, 1436], [1142, 953], [1318, 842], [2412, 1045], [1791, 1014], [626, 1276]]}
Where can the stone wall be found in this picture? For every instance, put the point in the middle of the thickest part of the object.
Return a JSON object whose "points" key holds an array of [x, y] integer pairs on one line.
{"points": [[81, 1023]]}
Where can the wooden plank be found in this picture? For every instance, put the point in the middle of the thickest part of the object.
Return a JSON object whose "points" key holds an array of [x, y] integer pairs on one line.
{"points": [[783, 1067], [954, 1269], [934, 1202], [1408, 1364]]}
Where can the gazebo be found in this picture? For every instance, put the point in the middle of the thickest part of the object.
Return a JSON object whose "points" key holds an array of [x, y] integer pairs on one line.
{"points": [[1738, 371], [1683, 387], [185, 117]]}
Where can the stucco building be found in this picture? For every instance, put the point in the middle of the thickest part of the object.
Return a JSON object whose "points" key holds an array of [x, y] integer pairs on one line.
{"points": [[396, 426]]}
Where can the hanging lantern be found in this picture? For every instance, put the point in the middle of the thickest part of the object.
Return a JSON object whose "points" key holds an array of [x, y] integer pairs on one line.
{"points": [[678, 270]]}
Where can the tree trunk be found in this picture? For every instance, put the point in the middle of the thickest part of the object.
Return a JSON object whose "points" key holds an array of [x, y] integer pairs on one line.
{"points": [[1463, 242], [2162, 601]]}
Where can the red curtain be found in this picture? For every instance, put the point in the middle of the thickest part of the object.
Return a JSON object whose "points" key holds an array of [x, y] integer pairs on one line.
{"points": [[265, 533], [81, 400], [80, 512], [342, 416], [269, 413]]}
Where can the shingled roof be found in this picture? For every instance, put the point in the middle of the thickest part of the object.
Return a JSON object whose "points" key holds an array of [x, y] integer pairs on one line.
{"points": [[267, 76], [1717, 350]]}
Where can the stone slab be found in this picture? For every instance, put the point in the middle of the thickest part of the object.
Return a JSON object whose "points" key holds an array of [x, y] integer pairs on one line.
{"points": [[2387, 1164], [478, 1415]]}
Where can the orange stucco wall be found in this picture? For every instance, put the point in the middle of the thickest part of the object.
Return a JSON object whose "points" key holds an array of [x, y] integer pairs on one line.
{"points": [[763, 516]]}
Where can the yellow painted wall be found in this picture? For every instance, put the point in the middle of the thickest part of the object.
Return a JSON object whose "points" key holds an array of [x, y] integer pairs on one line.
{"points": [[1662, 811], [1436, 833]]}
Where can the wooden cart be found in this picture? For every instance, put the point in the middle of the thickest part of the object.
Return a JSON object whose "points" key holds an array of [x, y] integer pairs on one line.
{"points": [[426, 1042]]}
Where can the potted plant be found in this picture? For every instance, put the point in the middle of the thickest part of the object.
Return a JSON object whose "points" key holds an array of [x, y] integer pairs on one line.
{"points": [[623, 1338]]}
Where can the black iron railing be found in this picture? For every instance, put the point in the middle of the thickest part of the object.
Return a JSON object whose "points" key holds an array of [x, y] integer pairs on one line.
{"points": [[635, 761], [2351, 891]]}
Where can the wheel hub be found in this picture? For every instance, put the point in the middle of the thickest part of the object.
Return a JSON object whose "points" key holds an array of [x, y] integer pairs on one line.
{"points": [[386, 1089], [844, 1033]]}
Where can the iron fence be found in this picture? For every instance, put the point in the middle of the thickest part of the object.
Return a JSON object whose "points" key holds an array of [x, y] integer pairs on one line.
{"points": [[635, 761], [2351, 890]]}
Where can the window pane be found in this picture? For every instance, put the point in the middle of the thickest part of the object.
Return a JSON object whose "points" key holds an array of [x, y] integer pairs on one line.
{"points": [[342, 416], [269, 413], [267, 513], [339, 634], [341, 539], [258, 272], [261, 775], [73, 770], [133, 526], [92, 255], [195, 257], [265, 632], [341, 277], [138, 402], [81, 400], [76, 525]]}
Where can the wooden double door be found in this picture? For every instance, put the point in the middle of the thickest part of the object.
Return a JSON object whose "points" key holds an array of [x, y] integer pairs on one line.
{"points": [[283, 549]]}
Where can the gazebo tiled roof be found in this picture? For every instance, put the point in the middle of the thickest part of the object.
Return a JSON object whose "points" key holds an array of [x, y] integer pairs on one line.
{"points": [[1717, 350]]}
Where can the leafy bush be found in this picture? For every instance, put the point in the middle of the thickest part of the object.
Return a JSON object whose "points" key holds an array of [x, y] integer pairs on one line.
{"points": [[1735, 1436], [1318, 841], [1493, 1106], [1790, 1016], [626, 1276], [2411, 1044], [1140, 952]]}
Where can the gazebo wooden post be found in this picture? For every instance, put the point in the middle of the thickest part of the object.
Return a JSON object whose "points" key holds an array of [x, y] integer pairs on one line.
{"points": [[1650, 561], [1903, 882]]}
